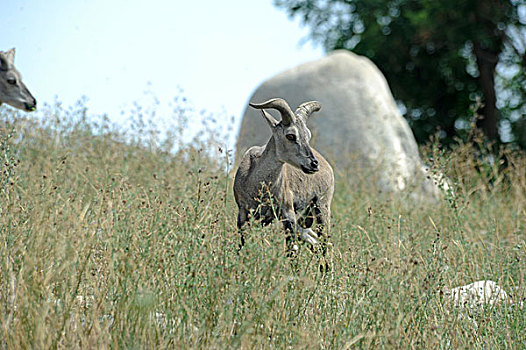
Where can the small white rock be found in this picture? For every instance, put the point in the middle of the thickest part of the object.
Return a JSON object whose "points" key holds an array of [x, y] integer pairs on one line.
{"points": [[477, 295]]}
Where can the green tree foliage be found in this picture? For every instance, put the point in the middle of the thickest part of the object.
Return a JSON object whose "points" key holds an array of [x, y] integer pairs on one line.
{"points": [[439, 57]]}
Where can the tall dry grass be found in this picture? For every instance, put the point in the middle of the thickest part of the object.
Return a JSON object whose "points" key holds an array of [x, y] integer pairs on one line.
{"points": [[116, 238]]}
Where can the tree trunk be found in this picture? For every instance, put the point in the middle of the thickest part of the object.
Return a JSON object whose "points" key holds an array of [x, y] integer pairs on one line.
{"points": [[487, 63]]}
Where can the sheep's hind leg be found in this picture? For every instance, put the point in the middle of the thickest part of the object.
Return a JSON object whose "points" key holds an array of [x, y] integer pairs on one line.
{"points": [[242, 217], [305, 234], [308, 235], [305, 222]]}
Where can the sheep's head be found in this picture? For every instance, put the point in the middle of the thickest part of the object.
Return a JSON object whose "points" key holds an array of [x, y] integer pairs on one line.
{"points": [[291, 135], [12, 89]]}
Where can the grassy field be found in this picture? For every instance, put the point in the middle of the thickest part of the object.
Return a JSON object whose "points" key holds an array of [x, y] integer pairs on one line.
{"points": [[112, 239]]}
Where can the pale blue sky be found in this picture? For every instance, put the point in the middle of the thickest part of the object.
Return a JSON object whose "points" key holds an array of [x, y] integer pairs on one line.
{"points": [[218, 52]]}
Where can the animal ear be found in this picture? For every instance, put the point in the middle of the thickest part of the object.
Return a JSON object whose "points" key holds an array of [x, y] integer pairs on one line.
{"points": [[272, 122], [11, 56], [4, 64]]}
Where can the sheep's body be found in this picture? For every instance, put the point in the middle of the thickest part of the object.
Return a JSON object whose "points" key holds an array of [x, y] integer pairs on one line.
{"points": [[268, 188]]}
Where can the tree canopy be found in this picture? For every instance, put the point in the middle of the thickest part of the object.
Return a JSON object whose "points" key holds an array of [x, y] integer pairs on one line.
{"points": [[440, 58]]}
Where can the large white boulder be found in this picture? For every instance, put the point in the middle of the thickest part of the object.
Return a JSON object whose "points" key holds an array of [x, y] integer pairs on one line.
{"points": [[359, 127]]}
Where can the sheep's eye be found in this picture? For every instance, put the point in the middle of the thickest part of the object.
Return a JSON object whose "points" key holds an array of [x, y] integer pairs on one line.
{"points": [[11, 81], [291, 137]]}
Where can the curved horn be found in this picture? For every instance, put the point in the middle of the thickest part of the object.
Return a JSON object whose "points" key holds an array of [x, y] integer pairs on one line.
{"points": [[279, 104], [307, 108]]}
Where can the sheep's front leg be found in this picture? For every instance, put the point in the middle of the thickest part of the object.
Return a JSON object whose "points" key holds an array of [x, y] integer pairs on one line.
{"points": [[323, 219], [290, 226]]}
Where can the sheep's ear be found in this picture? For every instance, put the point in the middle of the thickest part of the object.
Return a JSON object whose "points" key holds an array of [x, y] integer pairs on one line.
{"points": [[11, 56], [4, 64], [272, 122]]}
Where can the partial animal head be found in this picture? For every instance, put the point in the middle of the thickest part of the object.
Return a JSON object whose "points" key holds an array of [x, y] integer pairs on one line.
{"points": [[291, 135], [12, 89]]}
